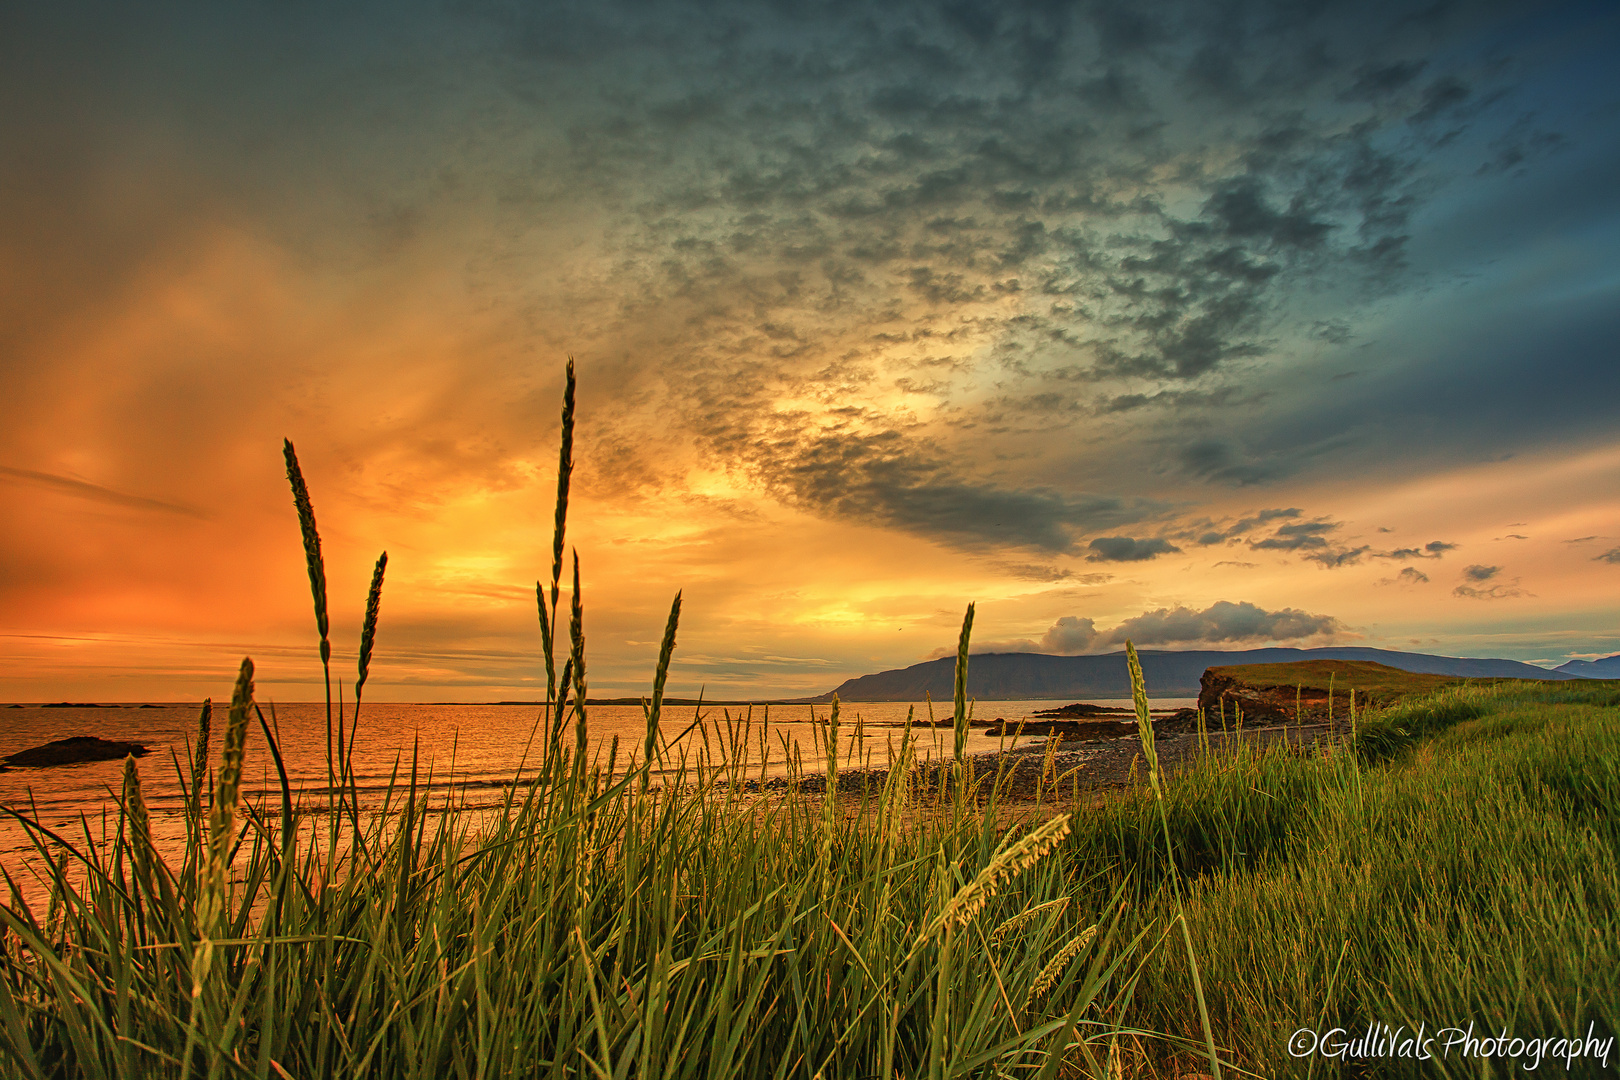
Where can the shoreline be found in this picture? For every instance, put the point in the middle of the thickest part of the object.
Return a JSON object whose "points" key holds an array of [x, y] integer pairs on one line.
{"points": [[1094, 767]]}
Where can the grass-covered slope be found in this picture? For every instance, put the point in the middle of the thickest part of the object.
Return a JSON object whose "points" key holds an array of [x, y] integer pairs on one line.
{"points": [[1473, 877], [1368, 679]]}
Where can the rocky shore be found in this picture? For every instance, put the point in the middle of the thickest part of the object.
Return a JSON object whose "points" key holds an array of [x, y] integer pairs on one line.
{"points": [[73, 751]]}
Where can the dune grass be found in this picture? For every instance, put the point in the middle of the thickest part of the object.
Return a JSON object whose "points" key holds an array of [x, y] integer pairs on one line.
{"points": [[595, 925], [1472, 877], [1456, 863]]}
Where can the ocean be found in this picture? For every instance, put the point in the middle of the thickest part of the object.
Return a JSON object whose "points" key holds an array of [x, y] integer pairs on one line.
{"points": [[467, 754]]}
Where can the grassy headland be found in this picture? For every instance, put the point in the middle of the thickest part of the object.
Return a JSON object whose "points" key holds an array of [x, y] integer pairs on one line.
{"points": [[1371, 681]]}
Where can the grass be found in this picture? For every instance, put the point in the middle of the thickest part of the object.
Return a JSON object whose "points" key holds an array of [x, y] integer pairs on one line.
{"points": [[593, 926], [1456, 863], [1371, 681], [1472, 877]]}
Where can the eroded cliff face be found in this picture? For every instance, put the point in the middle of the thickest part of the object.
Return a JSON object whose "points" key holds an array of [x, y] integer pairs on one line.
{"points": [[1273, 702], [1221, 695]]}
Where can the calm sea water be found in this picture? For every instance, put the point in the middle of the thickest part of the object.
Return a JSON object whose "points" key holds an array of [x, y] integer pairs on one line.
{"points": [[470, 752]]}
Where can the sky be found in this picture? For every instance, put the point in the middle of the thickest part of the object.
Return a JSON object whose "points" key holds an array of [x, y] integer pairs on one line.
{"points": [[1203, 325]]}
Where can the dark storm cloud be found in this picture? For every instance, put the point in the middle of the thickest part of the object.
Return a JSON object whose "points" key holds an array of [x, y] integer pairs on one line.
{"points": [[1502, 361], [898, 172], [900, 481], [1375, 81], [1100, 207], [1128, 549]]}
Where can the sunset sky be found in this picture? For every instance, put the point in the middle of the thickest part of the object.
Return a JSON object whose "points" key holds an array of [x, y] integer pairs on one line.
{"points": [[1213, 325]]}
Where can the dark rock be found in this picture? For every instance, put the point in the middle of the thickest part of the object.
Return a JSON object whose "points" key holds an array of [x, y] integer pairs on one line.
{"points": [[1081, 710], [1221, 695], [1068, 729], [76, 705], [73, 751]]}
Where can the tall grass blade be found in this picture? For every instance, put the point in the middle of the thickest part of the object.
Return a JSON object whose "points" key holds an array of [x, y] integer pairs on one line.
{"points": [[368, 630], [576, 636], [655, 708], [1144, 727], [199, 761], [203, 1023], [565, 472], [960, 715], [316, 566]]}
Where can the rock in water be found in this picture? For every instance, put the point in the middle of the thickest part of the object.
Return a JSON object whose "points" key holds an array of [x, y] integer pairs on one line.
{"points": [[73, 751]]}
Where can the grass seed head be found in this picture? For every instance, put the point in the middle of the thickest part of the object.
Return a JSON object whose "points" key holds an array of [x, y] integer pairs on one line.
{"points": [[199, 761], [1144, 720], [1011, 860], [368, 632], [228, 789], [312, 544], [1049, 974], [1025, 916]]}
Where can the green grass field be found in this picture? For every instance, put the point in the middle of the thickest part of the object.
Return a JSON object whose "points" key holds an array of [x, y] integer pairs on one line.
{"points": [[1470, 877]]}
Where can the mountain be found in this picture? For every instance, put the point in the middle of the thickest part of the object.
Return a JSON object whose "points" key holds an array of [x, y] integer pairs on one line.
{"points": [[1606, 668], [1033, 676]]}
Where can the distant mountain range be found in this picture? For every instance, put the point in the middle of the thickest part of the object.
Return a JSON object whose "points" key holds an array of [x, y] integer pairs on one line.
{"points": [[1607, 668], [1036, 676]]}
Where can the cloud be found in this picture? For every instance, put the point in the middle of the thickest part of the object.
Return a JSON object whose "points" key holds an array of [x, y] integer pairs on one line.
{"points": [[1222, 621], [1069, 635], [1046, 572], [847, 469], [1206, 532], [1217, 459], [1128, 549], [97, 493], [1495, 592], [1337, 557], [1432, 550], [1610, 556], [1303, 536], [1479, 574], [1312, 540], [1409, 575], [940, 269]]}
